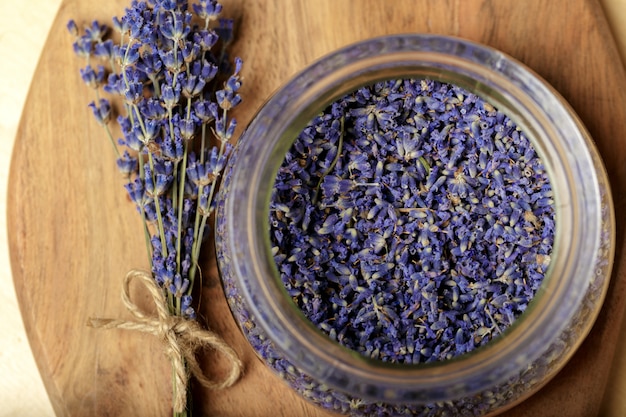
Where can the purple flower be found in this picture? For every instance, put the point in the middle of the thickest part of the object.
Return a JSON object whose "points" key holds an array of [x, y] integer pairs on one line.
{"points": [[225, 133], [158, 181], [425, 205], [192, 86], [72, 27], [175, 26], [127, 55], [102, 113], [179, 286], [206, 39], [190, 52], [127, 164], [167, 5], [205, 173], [136, 192], [173, 149], [93, 78], [120, 25], [133, 93], [172, 59], [187, 308], [95, 32], [225, 30], [82, 47], [150, 64], [206, 111], [160, 65], [170, 96], [207, 9], [188, 126], [104, 50]]}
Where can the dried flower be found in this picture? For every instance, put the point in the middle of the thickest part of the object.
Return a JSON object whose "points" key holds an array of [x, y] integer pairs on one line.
{"points": [[165, 73], [428, 221]]}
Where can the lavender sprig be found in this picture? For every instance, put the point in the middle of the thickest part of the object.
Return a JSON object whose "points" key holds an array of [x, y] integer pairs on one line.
{"points": [[162, 65]]}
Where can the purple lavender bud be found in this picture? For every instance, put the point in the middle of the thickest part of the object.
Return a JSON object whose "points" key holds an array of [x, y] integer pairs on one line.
{"points": [[82, 47], [127, 164], [102, 113], [225, 30], [170, 96], [173, 149], [133, 94], [150, 64], [72, 27], [206, 111], [187, 308], [178, 286], [206, 39], [207, 9], [187, 128], [120, 25], [192, 86], [190, 52], [96, 31], [175, 26], [104, 49], [92, 78], [129, 55], [136, 192], [167, 5]]}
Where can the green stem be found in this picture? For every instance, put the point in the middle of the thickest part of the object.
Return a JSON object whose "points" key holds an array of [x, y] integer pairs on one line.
{"points": [[175, 185], [129, 112], [178, 200], [123, 63], [107, 129], [199, 224], [169, 119], [110, 135], [140, 120], [196, 250], [196, 238], [202, 143], [197, 243], [157, 204], [200, 190], [183, 174], [146, 231]]}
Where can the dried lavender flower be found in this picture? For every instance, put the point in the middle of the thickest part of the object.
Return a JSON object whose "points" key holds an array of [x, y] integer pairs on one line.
{"points": [[165, 72], [422, 223]]}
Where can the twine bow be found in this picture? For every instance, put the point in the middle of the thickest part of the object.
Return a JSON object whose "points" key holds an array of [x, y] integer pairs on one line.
{"points": [[182, 338]]}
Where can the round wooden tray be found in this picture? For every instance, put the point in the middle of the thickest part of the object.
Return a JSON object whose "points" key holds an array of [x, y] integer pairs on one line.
{"points": [[73, 234]]}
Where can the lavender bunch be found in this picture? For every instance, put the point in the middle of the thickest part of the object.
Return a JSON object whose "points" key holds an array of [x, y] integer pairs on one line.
{"points": [[165, 68], [175, 124]]}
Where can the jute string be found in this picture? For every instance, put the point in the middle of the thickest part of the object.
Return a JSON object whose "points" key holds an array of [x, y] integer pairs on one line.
{"points": [[182, 337]]}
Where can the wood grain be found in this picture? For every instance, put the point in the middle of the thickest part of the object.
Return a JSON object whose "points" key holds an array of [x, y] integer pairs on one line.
{"points": [[73, 234]]}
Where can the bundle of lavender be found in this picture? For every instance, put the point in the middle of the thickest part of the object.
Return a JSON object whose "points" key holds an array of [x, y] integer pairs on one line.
{"points": [[165, 68]]}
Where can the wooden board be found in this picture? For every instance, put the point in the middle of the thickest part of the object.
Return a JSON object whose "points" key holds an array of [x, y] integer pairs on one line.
{"points": [[73, 234]]}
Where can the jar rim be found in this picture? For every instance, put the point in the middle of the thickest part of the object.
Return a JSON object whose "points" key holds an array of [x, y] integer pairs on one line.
{"points": [[543, 115]]}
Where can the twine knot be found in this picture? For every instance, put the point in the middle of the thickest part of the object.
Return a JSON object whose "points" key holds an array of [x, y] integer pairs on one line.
{"points": [[182, 337]]}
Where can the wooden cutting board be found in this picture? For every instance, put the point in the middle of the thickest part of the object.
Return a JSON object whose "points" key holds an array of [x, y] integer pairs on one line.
{"points": [[73, 234]]}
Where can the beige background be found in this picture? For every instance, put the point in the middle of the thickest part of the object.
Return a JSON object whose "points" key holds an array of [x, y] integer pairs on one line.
{"points": [[23, 30]]}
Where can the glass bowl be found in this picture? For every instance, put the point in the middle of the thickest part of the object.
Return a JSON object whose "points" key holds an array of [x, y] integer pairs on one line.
{"points": [[491, 378]]}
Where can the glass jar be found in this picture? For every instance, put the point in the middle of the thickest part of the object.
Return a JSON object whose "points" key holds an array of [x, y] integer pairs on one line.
{"points": [[491, 378]]}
